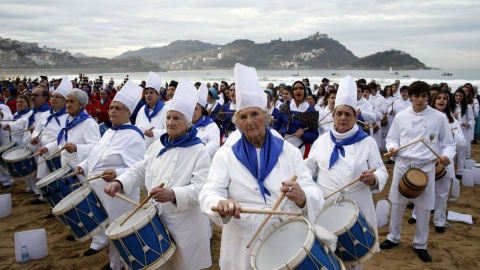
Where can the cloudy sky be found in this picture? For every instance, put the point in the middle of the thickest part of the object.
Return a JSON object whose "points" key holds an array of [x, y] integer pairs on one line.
{"points": [[441, 33]]}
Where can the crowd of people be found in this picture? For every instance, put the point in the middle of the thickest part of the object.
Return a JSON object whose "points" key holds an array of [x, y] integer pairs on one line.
{"points": [[194, 146]]}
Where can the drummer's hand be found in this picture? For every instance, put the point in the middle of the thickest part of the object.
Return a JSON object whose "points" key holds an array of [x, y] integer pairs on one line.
{"points": [[70, 147], [79, 170], [113, 188], [42, 151], [148, 133], [294, 193], [109, 175], [163, 195], [6, 127], [392, 152], [299, 133], [455, 115], [31, 129], [465, 124], [229, 208], [367, 178], [35, 140], [391, 112], [445, 161]]}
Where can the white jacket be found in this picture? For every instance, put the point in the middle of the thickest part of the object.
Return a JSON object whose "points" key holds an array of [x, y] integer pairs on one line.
{"points": [[158, 123]]}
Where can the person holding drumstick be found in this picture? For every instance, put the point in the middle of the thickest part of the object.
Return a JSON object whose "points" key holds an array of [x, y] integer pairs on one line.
{"points": [[253, 172], [416, 122], [121, 146], [351, 154], [181, 162]]}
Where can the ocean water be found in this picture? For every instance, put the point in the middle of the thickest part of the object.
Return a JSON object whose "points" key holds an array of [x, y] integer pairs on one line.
{"points": [[459, 77]]}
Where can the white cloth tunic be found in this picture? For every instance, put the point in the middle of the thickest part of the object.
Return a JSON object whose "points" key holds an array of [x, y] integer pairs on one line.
{"points": [[210, 136], [400, 105], [183, 169], [49, 133], [84, 135], [359, 157], [158, 123], [22, 124], [367, 111], [325, 127], [409, 126], [230, 179], [7, 115]]}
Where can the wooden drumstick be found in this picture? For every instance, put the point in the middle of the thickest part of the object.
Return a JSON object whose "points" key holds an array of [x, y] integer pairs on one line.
{"points": [[324, 116], [40, 133], [274, 207], [141, 204], [362, 122], [226, 112], [453, 128], [294, 134], [70, 174], [262, 211], [406, 145], [21, 131], [127, 200], [326, 123], [431, 149], [51, 156], [349, 184], [87, 180], [150, 129]]}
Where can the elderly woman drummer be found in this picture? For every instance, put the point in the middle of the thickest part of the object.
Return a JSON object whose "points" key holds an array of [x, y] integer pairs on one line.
{"points": [[253, 172], [80, 134], [121, 146], [180, 161]]}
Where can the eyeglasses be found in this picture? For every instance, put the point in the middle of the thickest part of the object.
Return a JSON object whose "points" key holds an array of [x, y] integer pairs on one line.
{"points": [[36, 95]]}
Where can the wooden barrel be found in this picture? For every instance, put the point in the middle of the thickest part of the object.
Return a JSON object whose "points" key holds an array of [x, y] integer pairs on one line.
{"points": [[439, 171], [384, 121], [375, 127], [413, 183]]}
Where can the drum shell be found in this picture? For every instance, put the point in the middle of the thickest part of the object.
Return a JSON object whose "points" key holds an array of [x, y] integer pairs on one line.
{"points": [[3, 149], [82, 213], [384, 121], [375, 127], [54, 163], [412, 188], [357, 230], [312, 252], [440, 171], [55, 188], [144, 228], [22, 166]]}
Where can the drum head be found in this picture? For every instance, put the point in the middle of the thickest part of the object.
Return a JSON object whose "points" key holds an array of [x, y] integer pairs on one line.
{"points": [[17, 153], [71, 200], [336, 217], [6, 146], [53, 176], [139, 219], [282, 245], [417, 177]]}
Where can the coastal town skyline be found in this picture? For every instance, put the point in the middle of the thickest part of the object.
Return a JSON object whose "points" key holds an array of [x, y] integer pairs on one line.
{"points": [[439, 33]]}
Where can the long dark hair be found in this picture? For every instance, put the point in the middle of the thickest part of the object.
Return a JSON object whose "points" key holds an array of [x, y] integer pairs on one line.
{"points": [[384, 94], [463, 103], [447, 108]]}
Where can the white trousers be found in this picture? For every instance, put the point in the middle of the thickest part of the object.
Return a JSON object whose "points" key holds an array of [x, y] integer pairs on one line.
{"points": [[422, 225], [5, 177]]}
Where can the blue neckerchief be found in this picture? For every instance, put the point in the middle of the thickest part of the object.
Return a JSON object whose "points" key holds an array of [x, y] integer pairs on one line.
{"points": [[156, 109], [56, 115], [132, 127], [269, 154], [186, 140], [81, 116], [19, 114], [358, 136], [42, 108], [203, 122], [360, 117]]}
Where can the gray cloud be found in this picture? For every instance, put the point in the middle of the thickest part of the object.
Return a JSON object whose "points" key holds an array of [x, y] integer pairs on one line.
{"points": [[439, 33]]}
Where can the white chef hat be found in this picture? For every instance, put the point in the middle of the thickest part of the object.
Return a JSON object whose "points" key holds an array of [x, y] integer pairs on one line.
{"points": [[247, 88], [129, 95], [154, 81], [347, 93], [64, 87], [185, 98], [202, 95]]}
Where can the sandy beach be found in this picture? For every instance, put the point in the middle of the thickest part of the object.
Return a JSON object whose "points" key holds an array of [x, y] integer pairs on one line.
{"points": [[457, 248]]}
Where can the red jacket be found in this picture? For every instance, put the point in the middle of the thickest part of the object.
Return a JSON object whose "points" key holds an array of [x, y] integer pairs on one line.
{"points": [[102, 116]]}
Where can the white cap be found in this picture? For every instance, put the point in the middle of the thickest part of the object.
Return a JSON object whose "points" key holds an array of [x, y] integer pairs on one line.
{"points": [[129, 95], [247, 88], [64, 87], [185, 99], [202, 95], [154, 81], [347, 93]]}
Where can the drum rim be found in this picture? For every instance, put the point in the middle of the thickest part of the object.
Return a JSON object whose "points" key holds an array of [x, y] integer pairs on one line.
{"points": [[159, 262], [299, 256], [18, 159], [62, 206], [44, 182], [352, 221], [10, 143], [128, 231]]}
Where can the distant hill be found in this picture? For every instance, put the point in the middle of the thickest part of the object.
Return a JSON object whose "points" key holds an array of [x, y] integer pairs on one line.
{"points": [[173, 50], [80, 55], [384, 60]]}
